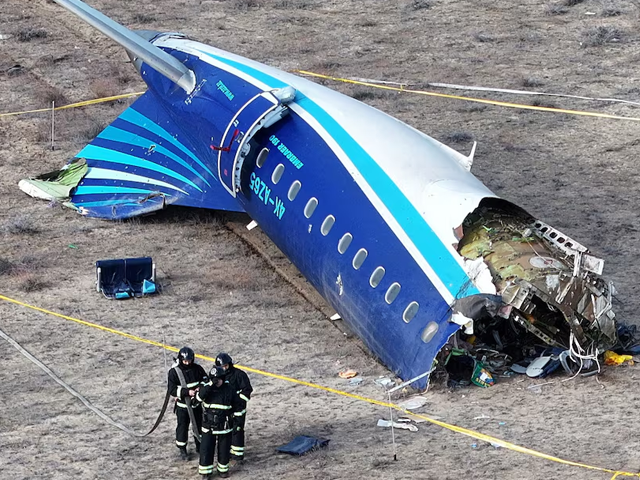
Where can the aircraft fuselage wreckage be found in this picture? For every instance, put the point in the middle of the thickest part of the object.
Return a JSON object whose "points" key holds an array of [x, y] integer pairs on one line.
{"points": [[388, 224]]}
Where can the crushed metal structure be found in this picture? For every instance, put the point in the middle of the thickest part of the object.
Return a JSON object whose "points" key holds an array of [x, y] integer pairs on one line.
{"points": [[549, 290]]}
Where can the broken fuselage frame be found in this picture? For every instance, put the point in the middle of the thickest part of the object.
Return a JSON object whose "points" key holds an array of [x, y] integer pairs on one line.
{"points": [[550, 284]]}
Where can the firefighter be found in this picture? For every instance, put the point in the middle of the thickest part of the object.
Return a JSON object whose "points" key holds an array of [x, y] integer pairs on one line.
{"points": [[218, 403], [185, 389], [240, 384]]}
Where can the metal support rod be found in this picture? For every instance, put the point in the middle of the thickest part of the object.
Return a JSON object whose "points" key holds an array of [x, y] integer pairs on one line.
{"points": [[409, 382], [53, 120], [164, 350], [393, 433]]}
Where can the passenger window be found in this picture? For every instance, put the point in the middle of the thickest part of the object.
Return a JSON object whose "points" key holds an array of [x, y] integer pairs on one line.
{"points": [[310, 207], [410, 311], [327, 225], [293, 190], [344, 243], [376, 277], [359, 258], [277, 173], [392, 293], [262, 157], [429, 332]]}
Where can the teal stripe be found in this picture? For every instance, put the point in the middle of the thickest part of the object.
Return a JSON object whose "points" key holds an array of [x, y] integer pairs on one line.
{"points": [[122, 136], [414, 225], [133, 116], [104, 203], [272, 82], [100, 153], [98, 189]]}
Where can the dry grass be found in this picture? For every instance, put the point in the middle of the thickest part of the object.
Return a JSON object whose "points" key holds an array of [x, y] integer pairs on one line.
{"points": [[89, 133], [48, 94], [602, 35], [106, 87], [553, 9], [246, 4], [28, 34], [32, 284], [484, 37], [458, 137], [21, 225], [369, 94], [544, 103], [293, 4], [421, 4], [143, 18], [473, 108], [6, 266], [532, 82], [43, 131], [611, 12], [24, 265]]}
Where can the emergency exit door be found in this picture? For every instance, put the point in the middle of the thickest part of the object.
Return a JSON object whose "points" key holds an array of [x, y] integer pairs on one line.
{"points": [[261, 111]]}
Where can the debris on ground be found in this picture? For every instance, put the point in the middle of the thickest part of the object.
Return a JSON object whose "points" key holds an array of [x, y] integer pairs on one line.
{"points": [[303, 444], [401, 423], [545, 307], [612, 358], [385, 382], [416, 419], [413, 403], [56, 185], [356, 381], [347, 373], [126, 277]]}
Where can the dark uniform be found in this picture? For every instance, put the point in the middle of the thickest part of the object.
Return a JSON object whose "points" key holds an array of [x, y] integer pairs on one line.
{"points": [[218, 404], [194, 375], [241, 385]]}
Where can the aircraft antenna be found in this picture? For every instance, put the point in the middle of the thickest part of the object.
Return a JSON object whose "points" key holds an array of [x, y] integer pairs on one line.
{"points": [[154, 56]]}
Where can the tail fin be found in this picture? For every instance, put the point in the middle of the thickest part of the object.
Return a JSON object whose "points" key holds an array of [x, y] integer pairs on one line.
{"points": [[143, 162], [137, 46]]}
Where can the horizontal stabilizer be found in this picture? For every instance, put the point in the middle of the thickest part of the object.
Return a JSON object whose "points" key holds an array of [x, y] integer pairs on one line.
{"points": [[144, 162]]}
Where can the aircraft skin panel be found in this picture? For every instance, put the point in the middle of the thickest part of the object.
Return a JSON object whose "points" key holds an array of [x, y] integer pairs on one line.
{"points": [[348, 290], [143, 162], [117, 135], [307, 157], [400, 150], [438, 255]]}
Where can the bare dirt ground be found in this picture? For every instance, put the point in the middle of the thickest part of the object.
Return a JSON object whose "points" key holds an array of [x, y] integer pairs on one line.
{"points": [[577, 173]]}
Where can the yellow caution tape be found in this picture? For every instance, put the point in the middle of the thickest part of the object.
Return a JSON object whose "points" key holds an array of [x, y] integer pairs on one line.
{"points": [[75, 105], [373, 85], [468, 99], [454, 428]]}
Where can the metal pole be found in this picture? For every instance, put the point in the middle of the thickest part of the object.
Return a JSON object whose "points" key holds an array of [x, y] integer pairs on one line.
{"points": [[53, 109], [393, 433], [164, 351], [408, 382]]}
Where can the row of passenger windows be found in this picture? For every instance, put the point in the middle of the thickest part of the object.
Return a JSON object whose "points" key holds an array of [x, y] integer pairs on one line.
{"points": [[343, 245]]}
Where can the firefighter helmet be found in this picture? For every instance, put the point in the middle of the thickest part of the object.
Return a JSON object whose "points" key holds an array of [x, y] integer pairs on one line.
{"points": [[216, 372], [223, 359], [187, 354]]}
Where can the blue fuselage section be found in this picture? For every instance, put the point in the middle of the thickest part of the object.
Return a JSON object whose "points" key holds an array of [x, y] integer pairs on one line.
{"points": [[295, 186]]}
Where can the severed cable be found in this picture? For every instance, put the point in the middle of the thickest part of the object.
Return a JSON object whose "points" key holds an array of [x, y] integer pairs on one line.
{"points": [[80, 397]]}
